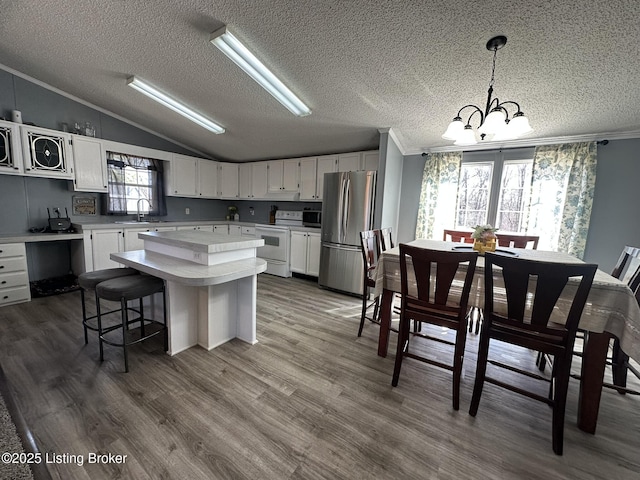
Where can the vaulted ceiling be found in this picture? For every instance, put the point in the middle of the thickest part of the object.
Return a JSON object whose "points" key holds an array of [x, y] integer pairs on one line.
{"points": [[361, 65]]}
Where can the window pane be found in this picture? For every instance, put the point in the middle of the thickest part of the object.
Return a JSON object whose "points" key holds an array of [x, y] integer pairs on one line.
{"points": [[473, 194], [515, 193]]}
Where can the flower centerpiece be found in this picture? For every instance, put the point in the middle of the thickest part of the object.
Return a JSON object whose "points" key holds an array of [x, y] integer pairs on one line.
{"points": [[484, 238]]}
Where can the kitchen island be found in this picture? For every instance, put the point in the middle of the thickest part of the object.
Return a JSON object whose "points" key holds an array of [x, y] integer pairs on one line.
{"points": [[211, 284]]}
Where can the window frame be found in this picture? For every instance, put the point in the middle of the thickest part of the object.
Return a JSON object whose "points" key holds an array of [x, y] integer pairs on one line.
{"points": [[497, 158]]}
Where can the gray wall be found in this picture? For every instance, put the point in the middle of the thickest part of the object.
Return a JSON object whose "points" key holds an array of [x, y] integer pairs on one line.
{"points": [[412, 169], [614, 219], [389, 184]]}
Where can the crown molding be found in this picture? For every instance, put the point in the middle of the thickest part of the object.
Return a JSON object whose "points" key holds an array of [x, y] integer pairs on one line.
{"points": [[534, 142], [392, 134]]}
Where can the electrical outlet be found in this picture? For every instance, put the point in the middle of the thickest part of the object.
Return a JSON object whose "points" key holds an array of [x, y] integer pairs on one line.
{"points": [[251, 211], [187, 211]]}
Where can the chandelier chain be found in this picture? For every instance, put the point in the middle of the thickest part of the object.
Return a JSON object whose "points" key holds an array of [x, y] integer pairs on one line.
{"points": [[493, 68]]}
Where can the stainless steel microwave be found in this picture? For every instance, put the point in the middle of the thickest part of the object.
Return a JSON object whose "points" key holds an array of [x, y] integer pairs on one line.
{"points": [[311, 218]]}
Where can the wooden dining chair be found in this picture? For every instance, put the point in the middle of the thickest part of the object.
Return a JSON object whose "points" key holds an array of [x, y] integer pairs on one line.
{"points": [[386, 239], [370, 240], [518, 241], [430, 295], [532, 291], [458, 236], [626, 269]]}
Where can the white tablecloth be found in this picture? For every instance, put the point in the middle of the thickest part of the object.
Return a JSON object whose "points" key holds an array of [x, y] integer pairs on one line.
{"points": [[611, 306]]}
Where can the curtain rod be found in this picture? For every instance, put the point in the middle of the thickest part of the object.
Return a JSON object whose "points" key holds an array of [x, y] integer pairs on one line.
{"points": [[424, 154]]}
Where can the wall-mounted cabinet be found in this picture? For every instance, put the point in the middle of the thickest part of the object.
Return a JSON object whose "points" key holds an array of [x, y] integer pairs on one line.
{"points": [[207, 178], [370, 160], [253, 180], [228, 180], [357, 161], [10, 151], [46, 153], [312, 170], [90, 162], [282, 175], [191, 177]]}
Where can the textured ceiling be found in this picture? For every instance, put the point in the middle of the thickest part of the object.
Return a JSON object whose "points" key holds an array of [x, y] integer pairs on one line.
{"points": [[573, 66]]}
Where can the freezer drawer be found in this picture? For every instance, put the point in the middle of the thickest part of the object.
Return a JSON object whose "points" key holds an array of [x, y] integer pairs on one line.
{"points": [[341, 269]]}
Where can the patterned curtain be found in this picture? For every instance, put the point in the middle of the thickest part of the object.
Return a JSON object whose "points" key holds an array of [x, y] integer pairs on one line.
{"points": [[564, 178], [438, 196]]}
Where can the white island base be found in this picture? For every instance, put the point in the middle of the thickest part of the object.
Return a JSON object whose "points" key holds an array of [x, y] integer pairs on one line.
{"points": [[210, 300]]}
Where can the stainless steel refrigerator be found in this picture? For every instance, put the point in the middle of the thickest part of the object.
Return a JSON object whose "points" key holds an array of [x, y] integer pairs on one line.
{"points": [[347, 209]]}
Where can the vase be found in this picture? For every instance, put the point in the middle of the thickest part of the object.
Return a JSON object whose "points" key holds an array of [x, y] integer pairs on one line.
{"points": [[482, 246]]}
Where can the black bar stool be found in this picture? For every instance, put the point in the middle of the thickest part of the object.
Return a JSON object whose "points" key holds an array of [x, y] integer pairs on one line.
{"points": [[88, 282], [127, 288]]}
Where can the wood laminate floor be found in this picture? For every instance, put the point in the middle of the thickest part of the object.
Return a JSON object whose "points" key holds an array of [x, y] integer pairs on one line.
{"points": [[311, 400]]}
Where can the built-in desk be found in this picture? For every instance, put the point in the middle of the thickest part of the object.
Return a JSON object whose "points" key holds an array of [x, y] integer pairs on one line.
{"points": [[15, 263], [211, 284]]}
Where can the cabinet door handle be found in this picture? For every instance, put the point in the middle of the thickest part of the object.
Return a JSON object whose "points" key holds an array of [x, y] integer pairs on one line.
{"points": [[1, 266], [5, 297], [4, 282]]}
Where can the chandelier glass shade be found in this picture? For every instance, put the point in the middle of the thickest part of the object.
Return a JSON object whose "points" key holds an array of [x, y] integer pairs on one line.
{"points": [[495, 122]]}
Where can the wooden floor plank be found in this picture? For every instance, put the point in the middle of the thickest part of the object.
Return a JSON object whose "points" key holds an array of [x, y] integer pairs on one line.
{"points": [[310, 400]]}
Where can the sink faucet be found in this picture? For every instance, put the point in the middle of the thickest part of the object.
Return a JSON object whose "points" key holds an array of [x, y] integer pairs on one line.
{"points": [[140, 214]]}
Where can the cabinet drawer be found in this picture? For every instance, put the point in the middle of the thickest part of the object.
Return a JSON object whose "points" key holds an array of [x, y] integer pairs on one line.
{"points": [[15, 279], [248, 231], [12, 264], [12, 250], [11, 295]]}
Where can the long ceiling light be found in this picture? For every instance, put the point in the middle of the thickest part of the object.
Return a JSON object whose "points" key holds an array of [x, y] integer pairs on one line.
{"points": [[174, 105], [494, 120], [247, 61]]}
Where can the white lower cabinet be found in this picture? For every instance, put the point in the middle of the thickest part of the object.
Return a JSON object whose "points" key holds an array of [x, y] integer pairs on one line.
{"points": [[305, 253], [101, 244], [14, 279], [221, 229], [235, 230], [248, 231]]}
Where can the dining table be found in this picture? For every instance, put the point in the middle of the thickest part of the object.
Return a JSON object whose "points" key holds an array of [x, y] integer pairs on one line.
{"points": [[611, 311]]}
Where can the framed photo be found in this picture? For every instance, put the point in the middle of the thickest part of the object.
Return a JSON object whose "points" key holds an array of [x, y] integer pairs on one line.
{"points": [[84, 205]]}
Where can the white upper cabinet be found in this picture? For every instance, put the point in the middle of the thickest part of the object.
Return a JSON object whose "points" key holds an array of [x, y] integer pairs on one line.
{"points": [[90, 164], [207, 178], [357, 161], [192, 177], [182, 176], [312, 170], [349, 162], [253, 180], [228, 180], [46, 153], [370, 160], [10, 151], [283, 175]]}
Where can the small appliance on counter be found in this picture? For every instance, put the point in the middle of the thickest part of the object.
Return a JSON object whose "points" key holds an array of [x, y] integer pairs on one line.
{"points": [[312, 218]]}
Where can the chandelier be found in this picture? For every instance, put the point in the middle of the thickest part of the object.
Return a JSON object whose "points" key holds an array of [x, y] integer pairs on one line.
{"points": [[494, 122]]}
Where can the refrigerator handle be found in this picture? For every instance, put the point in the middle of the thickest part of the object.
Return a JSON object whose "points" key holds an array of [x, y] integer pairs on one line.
{"points": [[347, 205], [341, 209]]}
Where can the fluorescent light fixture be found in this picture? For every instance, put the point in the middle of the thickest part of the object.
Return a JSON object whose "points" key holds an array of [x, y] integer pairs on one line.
{"points": [[174, 105], [247, 61]]}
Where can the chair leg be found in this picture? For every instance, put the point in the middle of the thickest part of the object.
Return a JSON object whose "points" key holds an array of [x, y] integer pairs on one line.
{"points": [[541, 361], [560, 402], [84, 316], [141, 306], [481, 370], [458, 360], [363, 315], [479, 319], [99, 320], [403, 346], [125, 322]]}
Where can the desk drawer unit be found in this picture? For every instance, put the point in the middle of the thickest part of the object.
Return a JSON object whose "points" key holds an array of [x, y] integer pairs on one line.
{"points": [[14, 279]]}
